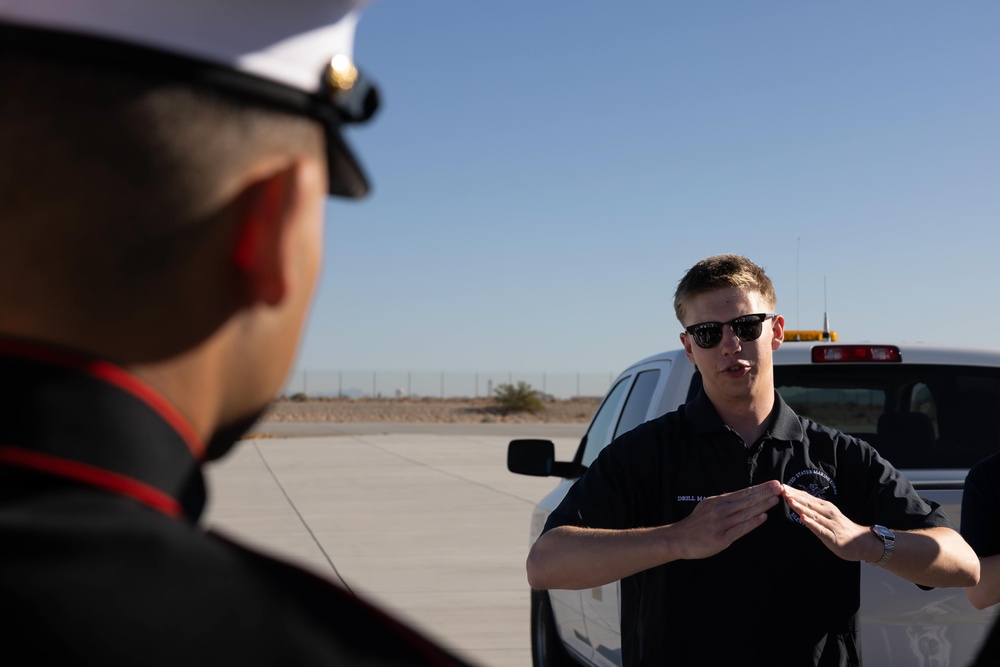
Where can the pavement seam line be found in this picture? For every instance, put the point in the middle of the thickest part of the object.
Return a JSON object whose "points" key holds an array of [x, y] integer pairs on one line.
{"points": [[302, 520], [444, 472]]}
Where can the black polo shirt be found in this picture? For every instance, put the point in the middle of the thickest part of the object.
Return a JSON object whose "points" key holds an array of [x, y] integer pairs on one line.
{"points": [[103, 563], [776, 596], [981, 507]]}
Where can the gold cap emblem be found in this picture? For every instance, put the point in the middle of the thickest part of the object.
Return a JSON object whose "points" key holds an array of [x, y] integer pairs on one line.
{"points": [[341, 74]]}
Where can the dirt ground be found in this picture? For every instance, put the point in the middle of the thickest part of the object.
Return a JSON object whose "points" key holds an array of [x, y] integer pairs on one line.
{"points": [[426, 410]]}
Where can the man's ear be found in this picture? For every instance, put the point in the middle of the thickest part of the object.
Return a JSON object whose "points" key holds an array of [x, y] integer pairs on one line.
{"points": [[686, 342], [777, 332], [264, 215]]}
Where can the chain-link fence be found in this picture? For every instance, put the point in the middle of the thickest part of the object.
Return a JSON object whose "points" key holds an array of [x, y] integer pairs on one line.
{"points": [[420, 384]]}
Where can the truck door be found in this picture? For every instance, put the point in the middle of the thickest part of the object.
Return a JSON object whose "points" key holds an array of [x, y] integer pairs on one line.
{"points": [[567, 606], [600, 605]]}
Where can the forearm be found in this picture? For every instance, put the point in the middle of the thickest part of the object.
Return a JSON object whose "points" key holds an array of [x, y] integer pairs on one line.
{"points": [[937, 557], [987, 592], [573, 558]]}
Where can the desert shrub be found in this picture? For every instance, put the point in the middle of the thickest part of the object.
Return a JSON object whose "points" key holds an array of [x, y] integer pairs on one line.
{"points": [[517, 398], [299, 397]]}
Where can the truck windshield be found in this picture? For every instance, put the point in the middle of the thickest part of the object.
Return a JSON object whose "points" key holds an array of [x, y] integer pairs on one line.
{"points": [[916, 416]]}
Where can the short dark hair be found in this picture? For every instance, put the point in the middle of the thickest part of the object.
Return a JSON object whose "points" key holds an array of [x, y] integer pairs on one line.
{"points": [[101, 168], [720, 272]]}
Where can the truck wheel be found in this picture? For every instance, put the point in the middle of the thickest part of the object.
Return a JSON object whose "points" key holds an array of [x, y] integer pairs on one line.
{"points": [[546, 647]]}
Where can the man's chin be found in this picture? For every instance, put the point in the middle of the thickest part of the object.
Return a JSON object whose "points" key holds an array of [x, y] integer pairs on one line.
{"points": [[229, 434]]}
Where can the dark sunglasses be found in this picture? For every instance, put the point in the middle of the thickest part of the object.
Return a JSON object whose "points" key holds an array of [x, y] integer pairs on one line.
{"points": [[746, 328]]}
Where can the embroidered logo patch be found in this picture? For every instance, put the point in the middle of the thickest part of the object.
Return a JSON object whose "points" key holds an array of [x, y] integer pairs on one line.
{"points": [[814, 482]]}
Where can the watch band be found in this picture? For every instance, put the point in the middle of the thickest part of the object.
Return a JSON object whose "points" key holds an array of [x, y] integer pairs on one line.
{"points": [[888, 543]]}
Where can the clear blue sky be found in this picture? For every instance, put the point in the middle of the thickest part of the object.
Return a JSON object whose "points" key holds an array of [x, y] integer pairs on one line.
{"points": [[545, 172]]}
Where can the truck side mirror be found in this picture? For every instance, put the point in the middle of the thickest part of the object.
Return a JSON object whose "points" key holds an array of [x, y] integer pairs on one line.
{"points": [[531, 457], [538, 458]]}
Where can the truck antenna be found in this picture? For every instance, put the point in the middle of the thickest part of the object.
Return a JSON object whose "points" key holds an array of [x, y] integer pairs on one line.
{"points": [[798, 250], [826, 317]]}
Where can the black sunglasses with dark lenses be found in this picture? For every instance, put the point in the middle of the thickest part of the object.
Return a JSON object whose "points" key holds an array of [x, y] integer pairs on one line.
{"points": [[746, 328]]}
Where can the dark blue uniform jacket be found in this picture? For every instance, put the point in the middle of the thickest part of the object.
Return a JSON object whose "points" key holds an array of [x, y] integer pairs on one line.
{"points": [[101, 558]]}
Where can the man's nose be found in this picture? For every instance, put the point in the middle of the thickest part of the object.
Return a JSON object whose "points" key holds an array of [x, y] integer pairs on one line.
{"points": [[730, 341]]}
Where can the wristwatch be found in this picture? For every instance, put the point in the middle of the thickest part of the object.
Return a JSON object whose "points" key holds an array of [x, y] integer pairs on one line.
{"points": [[888, 542]]}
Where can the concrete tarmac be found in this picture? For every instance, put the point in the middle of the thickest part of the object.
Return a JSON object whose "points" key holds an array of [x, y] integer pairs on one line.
{"points": [[424, 520]]}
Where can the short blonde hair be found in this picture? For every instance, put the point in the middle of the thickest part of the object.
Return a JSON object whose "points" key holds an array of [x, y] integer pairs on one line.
{"points": [[722, 272]]}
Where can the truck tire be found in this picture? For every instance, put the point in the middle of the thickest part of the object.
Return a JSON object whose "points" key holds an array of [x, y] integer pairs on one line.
{"points": [[547, 649]]}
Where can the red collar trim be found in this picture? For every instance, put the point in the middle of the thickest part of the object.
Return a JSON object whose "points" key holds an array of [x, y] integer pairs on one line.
{"points": [[88, 474], [115, 375]]}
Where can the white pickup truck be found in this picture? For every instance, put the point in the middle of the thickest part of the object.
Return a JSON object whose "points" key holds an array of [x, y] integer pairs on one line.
{"points": [[932, 411]]}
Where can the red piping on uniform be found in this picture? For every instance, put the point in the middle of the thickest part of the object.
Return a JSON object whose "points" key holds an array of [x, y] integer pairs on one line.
{"points": [[119, 377], [94, 476], [126, 382]]}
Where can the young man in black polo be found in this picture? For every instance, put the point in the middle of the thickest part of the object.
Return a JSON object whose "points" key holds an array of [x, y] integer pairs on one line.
{"points": [[737, 528]]}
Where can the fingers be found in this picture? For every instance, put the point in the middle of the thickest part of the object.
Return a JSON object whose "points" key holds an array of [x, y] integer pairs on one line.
{"points": [[743, 503], [813, 511], [748, 503], [759, 498], [718, 521], [791, 493], [825, 520], [803, 503], [742, 511], [757, 493], [749, 518], [794, 497], [772, 487]]}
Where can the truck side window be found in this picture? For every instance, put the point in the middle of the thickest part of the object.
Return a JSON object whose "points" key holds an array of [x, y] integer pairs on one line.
{"points": [[637, 404], [599, 434]]}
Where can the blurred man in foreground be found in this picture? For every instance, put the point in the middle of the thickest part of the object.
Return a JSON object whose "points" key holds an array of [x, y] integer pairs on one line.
{"points": [[163, 176]]}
